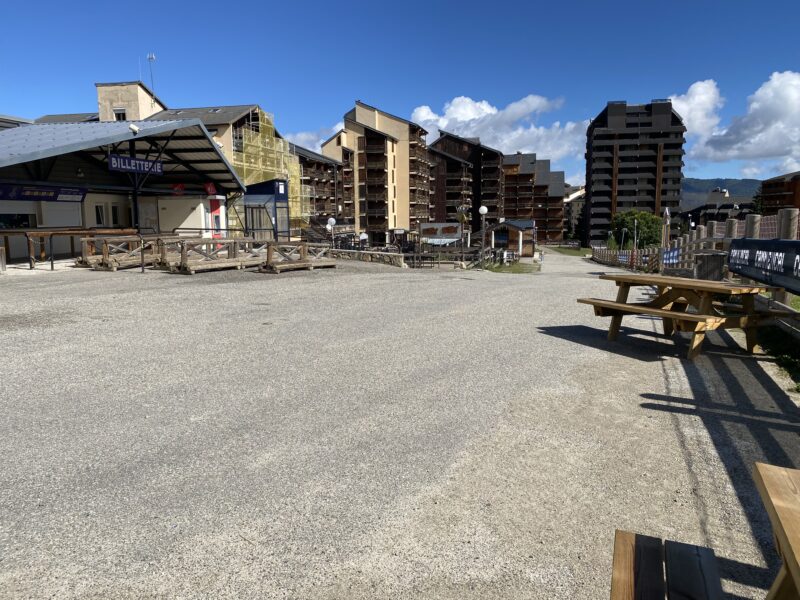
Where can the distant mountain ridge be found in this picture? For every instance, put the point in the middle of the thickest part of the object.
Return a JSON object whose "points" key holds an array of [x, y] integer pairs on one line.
{"points": [[695, 191]]}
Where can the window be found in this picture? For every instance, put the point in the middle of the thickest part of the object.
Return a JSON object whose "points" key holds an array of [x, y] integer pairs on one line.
{"points": [[394, 191], [119, 114], [99, 215], [338, 140], [114, 215]]}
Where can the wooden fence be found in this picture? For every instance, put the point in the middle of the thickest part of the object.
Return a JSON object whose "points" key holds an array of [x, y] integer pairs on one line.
{"points": [[682, 252]]}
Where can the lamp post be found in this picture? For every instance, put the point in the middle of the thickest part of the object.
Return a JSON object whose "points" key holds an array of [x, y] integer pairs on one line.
{"points": [[329, 227], [482, 211], [622, 243]]}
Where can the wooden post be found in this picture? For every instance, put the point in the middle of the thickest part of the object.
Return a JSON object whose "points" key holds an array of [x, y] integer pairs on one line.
{"points": [[731, 228], [31, 257], [711, 230], [752, 226], [787, 230], [787, 223], [701, 235], [685, 250]]}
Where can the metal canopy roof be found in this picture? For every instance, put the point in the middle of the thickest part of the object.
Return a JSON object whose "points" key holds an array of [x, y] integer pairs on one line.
{"points": [[54, 152]]}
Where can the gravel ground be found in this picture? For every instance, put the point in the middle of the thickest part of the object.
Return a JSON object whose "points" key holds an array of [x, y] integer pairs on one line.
{"points": [[365, 432]]}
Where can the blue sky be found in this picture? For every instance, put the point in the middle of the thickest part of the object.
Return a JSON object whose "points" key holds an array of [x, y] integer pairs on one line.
{"points": [[458, 64]]}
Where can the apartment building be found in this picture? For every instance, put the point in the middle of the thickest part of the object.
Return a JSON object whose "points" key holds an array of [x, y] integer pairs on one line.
{"points": [[532, 191], [486, 170], [245, 134], [385, 162], [780, 192], [322, 187], [451, 186], [634, 161]]}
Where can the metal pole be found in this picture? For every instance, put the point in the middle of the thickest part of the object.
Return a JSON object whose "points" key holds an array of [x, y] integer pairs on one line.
{"points": [[483, 238], [141, 249], [50, 241], [135, 195]]}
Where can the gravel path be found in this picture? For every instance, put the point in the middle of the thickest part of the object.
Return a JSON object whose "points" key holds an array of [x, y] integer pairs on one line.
{"points": [[367, 432]]}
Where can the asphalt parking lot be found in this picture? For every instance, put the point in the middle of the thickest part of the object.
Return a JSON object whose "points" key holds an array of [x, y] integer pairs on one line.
{"points": [[365, 432]]}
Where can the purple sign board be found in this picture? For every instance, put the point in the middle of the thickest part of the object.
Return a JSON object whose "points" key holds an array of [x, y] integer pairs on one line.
{"points": [[135, 165], [41, 193]]}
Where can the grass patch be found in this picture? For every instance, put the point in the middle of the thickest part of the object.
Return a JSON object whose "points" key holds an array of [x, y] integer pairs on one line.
{"points": [[570, 251], [785, 349], [795, 303], [515, 268]]}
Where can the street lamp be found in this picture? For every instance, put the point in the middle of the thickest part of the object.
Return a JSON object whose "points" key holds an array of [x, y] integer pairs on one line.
{"points": [[482, 211], [329, 227], [622, 243]]}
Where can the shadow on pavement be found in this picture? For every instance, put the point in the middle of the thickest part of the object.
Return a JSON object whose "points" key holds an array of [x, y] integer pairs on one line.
{"points": [[749, 419], [648, 349]]}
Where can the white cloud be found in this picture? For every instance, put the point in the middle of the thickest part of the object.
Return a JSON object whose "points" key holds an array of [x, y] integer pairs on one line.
{"points": [[509, 129], [313, 139], [768, 131], [752, 171], [699, 108]]}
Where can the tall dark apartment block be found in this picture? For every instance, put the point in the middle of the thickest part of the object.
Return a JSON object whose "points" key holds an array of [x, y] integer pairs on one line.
{"points": [[634, 161]]}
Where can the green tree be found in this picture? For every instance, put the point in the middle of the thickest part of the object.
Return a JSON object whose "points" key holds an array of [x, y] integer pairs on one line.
{"points": [[758, 201], [646, 225]]}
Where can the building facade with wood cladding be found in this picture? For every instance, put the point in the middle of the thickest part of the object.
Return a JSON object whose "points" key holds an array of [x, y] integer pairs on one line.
{"points": [[451, 186], [532, 191], [780, 192], [634, 161], [322, 186], [486, 171], [385, 162]]}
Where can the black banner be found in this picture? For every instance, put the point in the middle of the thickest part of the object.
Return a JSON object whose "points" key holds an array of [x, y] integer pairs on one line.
{"points": [[772, 262]]}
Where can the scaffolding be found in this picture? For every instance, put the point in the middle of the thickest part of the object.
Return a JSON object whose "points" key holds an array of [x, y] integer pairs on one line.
{"points": [[259, 154]]}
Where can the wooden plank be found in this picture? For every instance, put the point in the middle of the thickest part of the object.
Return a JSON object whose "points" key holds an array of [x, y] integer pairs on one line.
{"points": [[645, 309], [780, 492], [616, 320], [783, 588], [717, 287], [637, 571], [692, 572]]}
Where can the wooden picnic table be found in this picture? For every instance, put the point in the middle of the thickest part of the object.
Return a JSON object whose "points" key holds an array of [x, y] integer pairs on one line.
{"points": [[674, 295], [780, 491]]}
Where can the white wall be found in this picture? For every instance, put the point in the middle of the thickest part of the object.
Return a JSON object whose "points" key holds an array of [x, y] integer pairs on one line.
{"points": [[176, 211]]}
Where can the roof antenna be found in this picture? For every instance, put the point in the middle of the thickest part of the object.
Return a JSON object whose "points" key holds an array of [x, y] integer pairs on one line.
{"points": [[151, 58]]}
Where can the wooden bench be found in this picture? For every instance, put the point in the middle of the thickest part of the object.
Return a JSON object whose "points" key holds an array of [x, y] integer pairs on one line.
{"points": [[674, 320], [648, 568]]}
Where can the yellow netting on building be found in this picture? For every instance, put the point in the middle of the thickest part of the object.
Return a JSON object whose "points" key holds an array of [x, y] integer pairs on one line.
{"points": [[260, 155]]}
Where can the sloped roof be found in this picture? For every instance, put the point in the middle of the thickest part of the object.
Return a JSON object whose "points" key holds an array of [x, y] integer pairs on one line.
{"points": [[310, 154], [450, 156], [473, 141], [209, 115], [383, 112], [69, 118], [140, 83], [526, 161], [187, 141]]}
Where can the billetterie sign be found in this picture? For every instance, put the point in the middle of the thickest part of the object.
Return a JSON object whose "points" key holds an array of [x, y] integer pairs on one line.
{"points": [[772, 262], [135, 165]]}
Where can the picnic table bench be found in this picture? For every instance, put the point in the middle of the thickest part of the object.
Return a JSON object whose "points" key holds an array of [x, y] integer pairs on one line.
{"points": [[780, 491], [648, 568], [673, 298]]}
